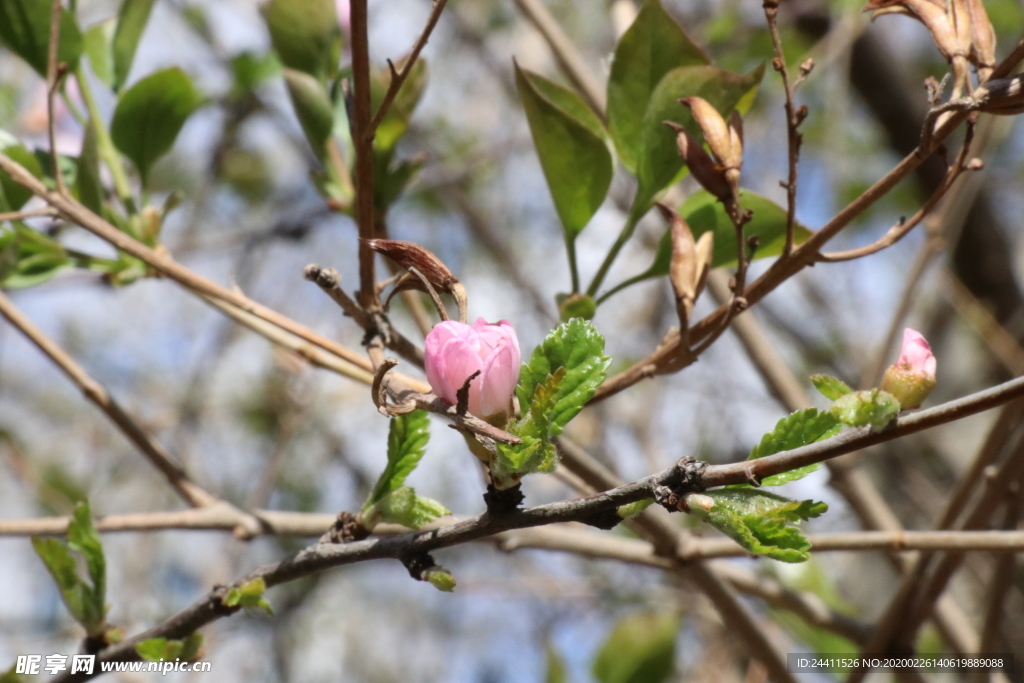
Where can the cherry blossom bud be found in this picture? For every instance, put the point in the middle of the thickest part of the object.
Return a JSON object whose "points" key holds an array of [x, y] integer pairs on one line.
{"points": [[912, 377], [454, 351]]}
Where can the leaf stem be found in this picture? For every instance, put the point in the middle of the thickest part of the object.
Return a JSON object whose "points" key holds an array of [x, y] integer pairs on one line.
{"points": [[627, 231], [105, 145], [570, 248]]}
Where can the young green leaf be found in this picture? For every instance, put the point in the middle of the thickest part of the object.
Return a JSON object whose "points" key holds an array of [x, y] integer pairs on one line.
{"points": [[404, 507], [757, 520], [556, 672], [633, 509], [570, 142], [830, 387], [152, 649], [305, 34], [131, 22], [576, 346], [150, 114], [83, 538], [249, 594], [876, 408], [654, 45], [795, 430], [313, 109], [407, 443], [85, 602], [640, 649], [25, 30], [659, 163], [441, 579]]}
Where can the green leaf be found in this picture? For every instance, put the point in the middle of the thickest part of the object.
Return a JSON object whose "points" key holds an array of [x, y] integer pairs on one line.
{"points": [[25, 30], [633, 509], [404, 507], [570, 142], [11, 675], [659, 163], [391, 180], [191, 646], [561, 376], [13, 195], [795, 430], [250, 70], [830, 387], [83, 538], [313, 108], [556, 672], [654, 45], [150, 114], [640, 649], [249, 594], [396, 121], [89, 185], [96, 45], [305, 34], [61, 565], [875, 407], [758, 520], [441, 579], [407, 443], [152, 650], [131, 22], [576, 346]]}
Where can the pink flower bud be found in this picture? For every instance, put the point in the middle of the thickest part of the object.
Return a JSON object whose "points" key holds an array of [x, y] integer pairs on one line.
{"points": [[912, 377], [453, 351]]}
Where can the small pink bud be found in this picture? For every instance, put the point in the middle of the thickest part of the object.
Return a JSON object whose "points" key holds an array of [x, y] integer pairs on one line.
{"points": [[453, 351], [912, 377]]}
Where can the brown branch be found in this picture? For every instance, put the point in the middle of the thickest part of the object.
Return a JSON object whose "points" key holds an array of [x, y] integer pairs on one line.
{"points": [[75, 212], [22, 215], [52, 84], [399, 78], [805, 255], [793, 120], [363, 144]]}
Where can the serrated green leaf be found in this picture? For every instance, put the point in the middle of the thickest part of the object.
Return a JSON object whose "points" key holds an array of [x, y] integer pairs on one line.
{"points": [[305, 34], [25, 30], [793, 431], [875, 407], [312, 107], [14, 195], [640, 649], [757, 520], [576, 346], [96, 46], [560, 377], [407, 443], [150, 114], [652, 46], [830, 387], [131, 23], [659, 163], [570, 142]]}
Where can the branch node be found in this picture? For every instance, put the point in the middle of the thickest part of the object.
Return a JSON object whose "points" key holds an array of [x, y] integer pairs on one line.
{"points": [[503, 501]]}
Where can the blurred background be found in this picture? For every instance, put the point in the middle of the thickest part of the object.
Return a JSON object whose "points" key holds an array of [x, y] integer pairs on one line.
{"points": [[259, 427]]}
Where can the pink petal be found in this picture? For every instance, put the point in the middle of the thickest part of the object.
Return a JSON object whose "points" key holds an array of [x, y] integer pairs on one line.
{"points": [[500, 376], [460, 360], [916, 353]]}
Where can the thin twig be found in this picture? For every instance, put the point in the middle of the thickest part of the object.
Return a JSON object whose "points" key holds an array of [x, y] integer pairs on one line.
{"points": [[793, 120], [363, 144], [399, 78], [22, 215], [52, 85], [157, 455]]}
